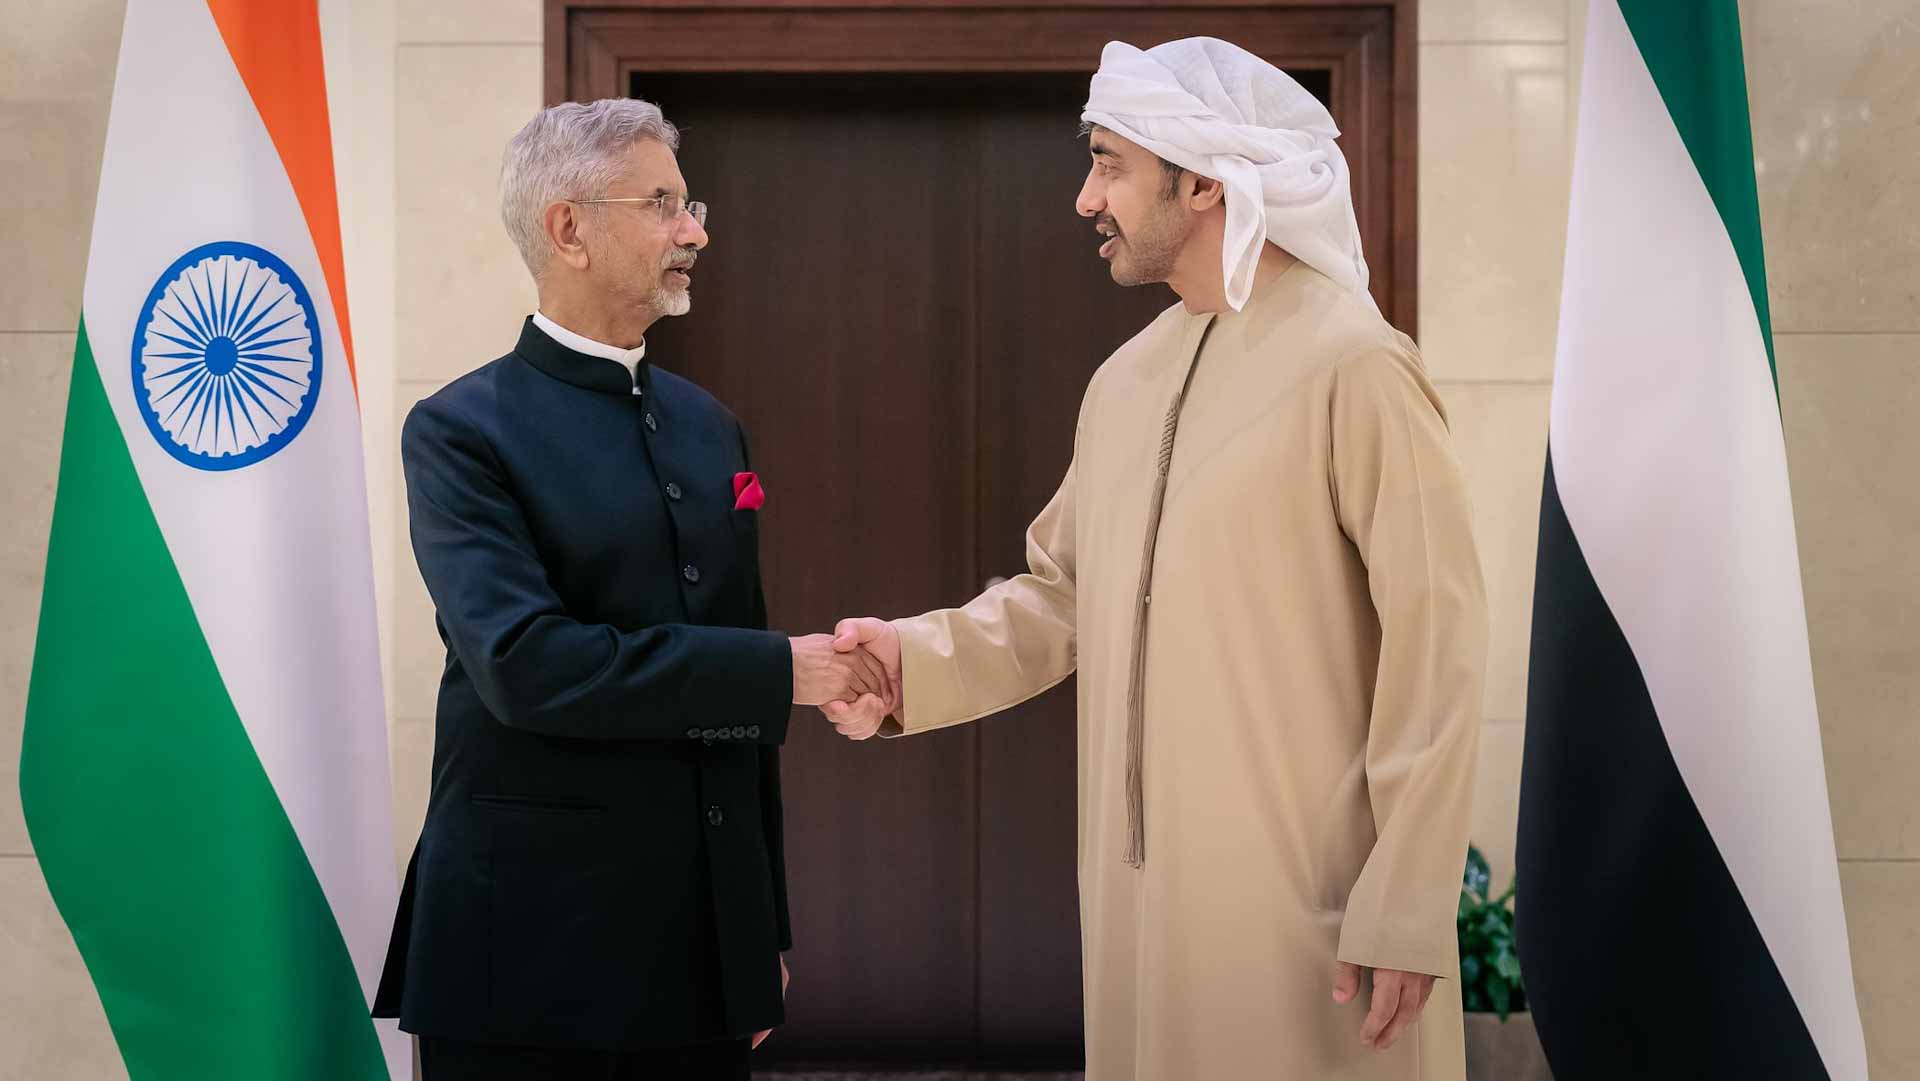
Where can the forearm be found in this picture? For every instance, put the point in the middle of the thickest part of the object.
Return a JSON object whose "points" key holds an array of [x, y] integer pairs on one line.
{"points": [[559, 677], [1006, 646], [1422, 753]]}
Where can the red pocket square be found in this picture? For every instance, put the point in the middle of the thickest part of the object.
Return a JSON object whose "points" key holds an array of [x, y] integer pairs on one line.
{"points": [[747, 493]]}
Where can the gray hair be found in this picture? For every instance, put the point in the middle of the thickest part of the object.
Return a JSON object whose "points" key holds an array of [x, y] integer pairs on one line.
{"points": [[570, 151]]}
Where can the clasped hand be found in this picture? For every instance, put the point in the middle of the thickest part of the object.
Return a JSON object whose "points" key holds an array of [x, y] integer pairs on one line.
{"points": [[824, 671], [859, 715], [853, 674]]}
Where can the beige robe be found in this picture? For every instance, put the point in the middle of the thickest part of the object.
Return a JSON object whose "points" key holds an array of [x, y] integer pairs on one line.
{"points": [[1313, 671]]}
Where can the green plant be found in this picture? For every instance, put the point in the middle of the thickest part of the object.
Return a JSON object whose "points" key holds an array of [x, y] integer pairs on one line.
{"points": [[1489, 964]]}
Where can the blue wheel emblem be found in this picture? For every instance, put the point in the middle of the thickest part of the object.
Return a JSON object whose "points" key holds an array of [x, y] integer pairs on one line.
{"points": [[226, 356]]}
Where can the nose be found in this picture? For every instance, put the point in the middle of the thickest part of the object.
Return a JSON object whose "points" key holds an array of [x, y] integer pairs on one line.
{"points": [[690, 233], [1093, 197]]}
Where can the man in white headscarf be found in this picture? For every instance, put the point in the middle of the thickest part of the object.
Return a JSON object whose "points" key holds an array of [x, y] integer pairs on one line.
{"points": [[1261, 564]]}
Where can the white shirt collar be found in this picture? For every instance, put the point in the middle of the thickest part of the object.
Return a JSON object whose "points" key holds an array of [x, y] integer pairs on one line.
{"points": [[630, 359]]}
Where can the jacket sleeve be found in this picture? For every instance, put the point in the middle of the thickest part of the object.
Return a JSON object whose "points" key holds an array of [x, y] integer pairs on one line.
{"points": [[1006, 645], [772, 811], [1402, 502], [535, 666], [773, 821]]}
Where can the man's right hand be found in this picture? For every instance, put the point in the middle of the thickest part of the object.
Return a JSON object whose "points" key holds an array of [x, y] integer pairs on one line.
{"points": [[861, 718], [822, 673]]}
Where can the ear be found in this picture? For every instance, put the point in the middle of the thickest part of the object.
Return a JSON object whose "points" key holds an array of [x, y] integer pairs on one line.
{"points": [[561, 223], [1207, 193]]}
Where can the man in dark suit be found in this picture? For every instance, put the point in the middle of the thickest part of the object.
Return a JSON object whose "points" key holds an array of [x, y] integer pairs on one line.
{"points": [[600, 887]]}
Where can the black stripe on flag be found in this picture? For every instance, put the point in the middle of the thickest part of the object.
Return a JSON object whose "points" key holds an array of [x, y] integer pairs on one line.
{"points": [[1640, 958]]}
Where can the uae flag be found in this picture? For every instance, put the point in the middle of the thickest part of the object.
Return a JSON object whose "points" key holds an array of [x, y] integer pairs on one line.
{"points": [[1679, 910], [204, 764]]}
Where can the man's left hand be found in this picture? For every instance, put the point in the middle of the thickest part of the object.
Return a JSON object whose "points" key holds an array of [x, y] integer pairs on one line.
{"points": [[1398, 998], [761, 1037]]}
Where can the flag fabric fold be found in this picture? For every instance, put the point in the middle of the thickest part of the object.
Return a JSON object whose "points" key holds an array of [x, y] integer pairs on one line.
{"points": [[1679, 903], [204, 766]]}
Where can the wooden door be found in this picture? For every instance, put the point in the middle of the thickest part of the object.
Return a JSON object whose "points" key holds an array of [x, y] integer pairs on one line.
{"points": [[834, 312], [903, 307]]}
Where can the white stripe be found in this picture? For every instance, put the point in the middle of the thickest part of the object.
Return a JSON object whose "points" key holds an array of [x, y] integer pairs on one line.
{"points": [[1668, 453], [274, 556]]}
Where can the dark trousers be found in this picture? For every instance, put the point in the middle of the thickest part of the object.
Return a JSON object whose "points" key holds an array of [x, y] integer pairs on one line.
{"points": [[456, 1060]]}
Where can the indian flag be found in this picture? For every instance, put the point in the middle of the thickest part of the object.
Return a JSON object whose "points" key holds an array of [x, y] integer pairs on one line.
{"points": [[204, 767], [1679, 901]]}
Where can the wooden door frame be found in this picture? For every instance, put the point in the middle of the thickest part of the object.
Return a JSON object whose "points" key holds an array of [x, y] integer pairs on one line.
{"points": [[1369, 47]]}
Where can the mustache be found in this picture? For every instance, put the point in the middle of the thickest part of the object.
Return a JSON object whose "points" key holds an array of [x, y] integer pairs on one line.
{"points": [[1107, 220], [680, 260]]}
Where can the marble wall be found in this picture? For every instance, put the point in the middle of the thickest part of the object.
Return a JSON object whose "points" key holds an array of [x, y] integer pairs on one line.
{"points": [[427, 91], [1836, 118]]}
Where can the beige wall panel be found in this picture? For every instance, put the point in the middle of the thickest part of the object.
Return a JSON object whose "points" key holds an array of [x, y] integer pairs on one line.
{"points": [[462, 290], [1493, 208]]}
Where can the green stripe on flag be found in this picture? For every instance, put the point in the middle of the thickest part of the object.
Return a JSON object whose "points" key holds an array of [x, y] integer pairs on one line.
{"points": [[1692, 47], [165, 847]]}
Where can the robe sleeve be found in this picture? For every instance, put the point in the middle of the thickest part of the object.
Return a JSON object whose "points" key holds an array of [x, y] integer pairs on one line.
{"points": [[1401, 500], [1005, 646]]}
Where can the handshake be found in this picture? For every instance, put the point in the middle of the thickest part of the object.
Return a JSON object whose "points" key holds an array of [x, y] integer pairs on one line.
{"points": [[853, 675]]}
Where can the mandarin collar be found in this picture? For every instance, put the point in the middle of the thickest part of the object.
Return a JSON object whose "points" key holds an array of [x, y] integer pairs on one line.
{"points": [[539, 349]]}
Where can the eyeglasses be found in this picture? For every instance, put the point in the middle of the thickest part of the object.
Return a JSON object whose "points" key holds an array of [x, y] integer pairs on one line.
{"points": [[669, 206]]}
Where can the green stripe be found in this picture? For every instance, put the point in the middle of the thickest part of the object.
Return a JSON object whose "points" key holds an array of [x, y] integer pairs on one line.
{"points": [[1692, 47], [205, 930]]}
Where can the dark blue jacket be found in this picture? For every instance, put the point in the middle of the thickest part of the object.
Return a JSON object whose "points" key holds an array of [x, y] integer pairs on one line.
{"points": [[601, 864]]}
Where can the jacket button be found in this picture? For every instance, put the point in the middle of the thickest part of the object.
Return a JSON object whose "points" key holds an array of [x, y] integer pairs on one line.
{"points": [[753, 731], [693, 733], [652, 424], [739, 731], [691, 573], [715, 816], [673, 491]]}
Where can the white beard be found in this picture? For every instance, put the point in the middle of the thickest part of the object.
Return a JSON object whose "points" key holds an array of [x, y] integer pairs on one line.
{"points": [[672, 301]]}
